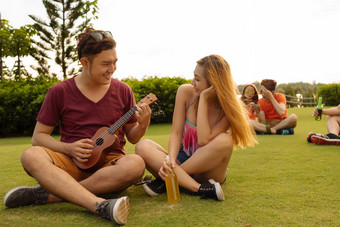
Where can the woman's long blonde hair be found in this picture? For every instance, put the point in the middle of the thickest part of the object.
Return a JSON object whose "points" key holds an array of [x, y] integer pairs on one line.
{"points": [[217, 73]]}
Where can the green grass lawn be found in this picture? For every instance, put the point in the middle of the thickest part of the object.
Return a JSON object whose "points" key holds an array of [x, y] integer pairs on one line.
{"points": [[281, 181]]}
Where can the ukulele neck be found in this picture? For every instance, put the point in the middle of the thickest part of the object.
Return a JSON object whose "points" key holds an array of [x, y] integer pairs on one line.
{"points": [[118, 124]]}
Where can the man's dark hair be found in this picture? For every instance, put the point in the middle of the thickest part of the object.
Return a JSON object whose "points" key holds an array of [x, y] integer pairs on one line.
{"points": [[269, 84], [87, 46]]}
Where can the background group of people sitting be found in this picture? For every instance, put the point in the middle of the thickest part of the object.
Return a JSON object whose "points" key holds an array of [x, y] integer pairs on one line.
{"points": [[269, 115]]}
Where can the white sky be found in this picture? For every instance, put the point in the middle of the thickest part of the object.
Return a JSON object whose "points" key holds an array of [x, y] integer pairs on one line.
{"points": [[286, 40]]}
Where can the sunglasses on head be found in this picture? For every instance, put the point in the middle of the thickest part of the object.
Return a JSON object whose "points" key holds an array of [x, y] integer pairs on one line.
{"points": [[250, 92], [97, 36]]}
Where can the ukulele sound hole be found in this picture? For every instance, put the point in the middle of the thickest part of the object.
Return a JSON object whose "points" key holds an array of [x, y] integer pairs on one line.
{"points": [[99, 141]]}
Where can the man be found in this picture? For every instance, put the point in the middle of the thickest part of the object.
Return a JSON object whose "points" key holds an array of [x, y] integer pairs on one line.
{"points": [[273, 117], [333, 126], [82, 105]]}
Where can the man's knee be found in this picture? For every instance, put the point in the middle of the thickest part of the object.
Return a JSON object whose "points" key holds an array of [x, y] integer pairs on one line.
{"points": [[331, 118], [31, 156], [132, 165], [293, 119], [142, 145]]}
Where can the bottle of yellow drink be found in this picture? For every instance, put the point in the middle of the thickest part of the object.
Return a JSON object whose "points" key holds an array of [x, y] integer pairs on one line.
{"points": [[319, 108], [171, 183]]}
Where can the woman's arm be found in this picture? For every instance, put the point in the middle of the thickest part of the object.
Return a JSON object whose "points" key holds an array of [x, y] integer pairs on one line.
{"points": [[184, 93], [205, 133]]}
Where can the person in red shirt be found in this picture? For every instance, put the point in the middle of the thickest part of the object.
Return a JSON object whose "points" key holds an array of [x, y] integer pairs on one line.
{"points": [[81, 105], [273, 117]]}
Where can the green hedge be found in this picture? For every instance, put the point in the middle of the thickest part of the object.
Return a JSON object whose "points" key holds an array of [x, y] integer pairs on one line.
{"points": [[20, 102], [330, 94], [164, 88]]}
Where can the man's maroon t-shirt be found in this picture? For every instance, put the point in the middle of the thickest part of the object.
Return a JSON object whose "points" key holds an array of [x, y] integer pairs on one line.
{"points": [[79, 117]]}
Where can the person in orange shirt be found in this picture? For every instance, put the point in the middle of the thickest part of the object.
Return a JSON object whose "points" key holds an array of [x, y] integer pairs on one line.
{"points": [[250, 97], [273, 117]]}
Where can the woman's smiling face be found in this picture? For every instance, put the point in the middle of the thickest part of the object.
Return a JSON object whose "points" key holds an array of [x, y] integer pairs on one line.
{"points": [[249, 92], [199, 82]]}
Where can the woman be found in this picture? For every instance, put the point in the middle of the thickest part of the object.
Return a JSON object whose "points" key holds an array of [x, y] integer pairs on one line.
{"points": [[250, 97], [199, 147]]}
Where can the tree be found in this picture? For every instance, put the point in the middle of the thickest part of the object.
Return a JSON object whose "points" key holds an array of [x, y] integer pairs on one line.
{"points": [[21, 45], [5, 42], [92, 8], [15, 43], [58, 33]]}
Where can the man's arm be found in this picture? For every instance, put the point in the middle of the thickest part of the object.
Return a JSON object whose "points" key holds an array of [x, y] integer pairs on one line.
{"points": [[279, 107], [80, 149], [135, 131], [331, 111]]}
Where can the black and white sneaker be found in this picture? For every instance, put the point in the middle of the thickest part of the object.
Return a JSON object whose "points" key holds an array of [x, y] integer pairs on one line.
{"points": [[329, 139], [210, 189], [309, 137], [24, 196], [116, 210], [155, 187]]}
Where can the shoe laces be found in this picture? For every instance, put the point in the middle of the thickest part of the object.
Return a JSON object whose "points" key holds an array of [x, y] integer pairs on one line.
{"points": [[285, 132], [323, 136], [41, 195], [146, 180], [207, 191], [101, 209], [158, 183]]}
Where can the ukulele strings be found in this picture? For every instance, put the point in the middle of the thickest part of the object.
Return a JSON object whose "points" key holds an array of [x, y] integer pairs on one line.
{"points": [[124, 118], [112, 129]]}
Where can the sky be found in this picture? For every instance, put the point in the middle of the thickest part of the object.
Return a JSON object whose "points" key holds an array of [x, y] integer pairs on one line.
{"points": [[285, 40]]}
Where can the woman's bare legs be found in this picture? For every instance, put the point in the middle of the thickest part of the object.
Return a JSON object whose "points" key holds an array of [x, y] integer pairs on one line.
{"points": [[210, 161]]}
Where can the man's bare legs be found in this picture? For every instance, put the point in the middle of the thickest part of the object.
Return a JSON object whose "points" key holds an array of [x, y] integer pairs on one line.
{"points": [[289, 122], [61, 185], [333, 124]]}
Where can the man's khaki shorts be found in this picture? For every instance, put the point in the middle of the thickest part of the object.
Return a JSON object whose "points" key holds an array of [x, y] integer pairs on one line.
{"points": [[66, 163]]}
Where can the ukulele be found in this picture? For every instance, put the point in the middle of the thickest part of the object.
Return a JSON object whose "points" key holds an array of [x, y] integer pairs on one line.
{"points": [[105, 139]]}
